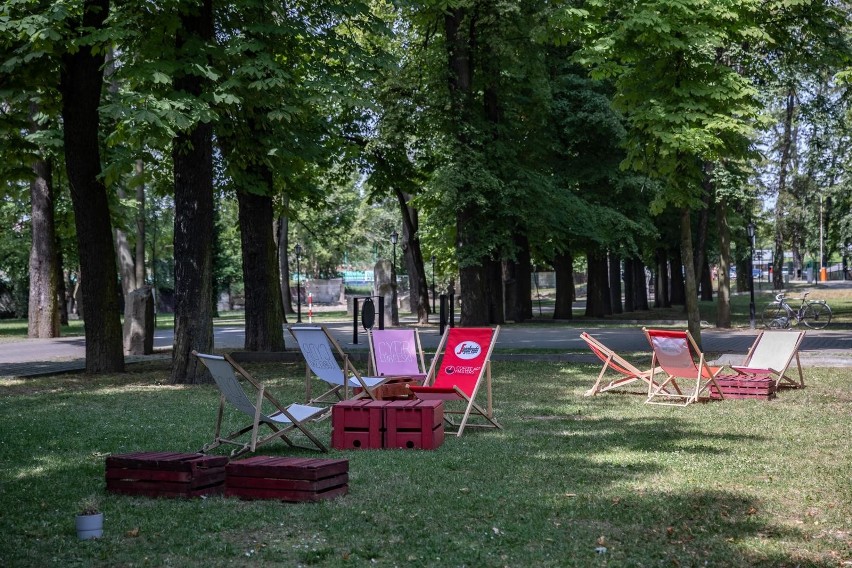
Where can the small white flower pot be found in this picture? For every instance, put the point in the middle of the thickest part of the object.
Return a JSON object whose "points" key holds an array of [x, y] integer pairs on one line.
{"points": [[90, 526]]}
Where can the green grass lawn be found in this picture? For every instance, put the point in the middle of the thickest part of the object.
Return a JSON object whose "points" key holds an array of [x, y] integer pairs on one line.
{"points": [[733, 483]]}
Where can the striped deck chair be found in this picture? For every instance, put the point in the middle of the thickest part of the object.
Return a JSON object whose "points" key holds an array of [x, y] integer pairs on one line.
{"points": [[772, 353], [626, 372], [675, 352], [465, 363], [325, 359], [282, 421]]}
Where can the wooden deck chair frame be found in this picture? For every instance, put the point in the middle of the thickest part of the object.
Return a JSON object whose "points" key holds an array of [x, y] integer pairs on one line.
{"points": [[456, 394], [758, 362], [373, 364], [350, 378], [705, 375], [628, 373], [282, 422]]}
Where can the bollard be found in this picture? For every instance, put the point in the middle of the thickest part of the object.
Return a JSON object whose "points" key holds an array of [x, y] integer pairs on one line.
{"points": [[355, 321], [442, 318]]}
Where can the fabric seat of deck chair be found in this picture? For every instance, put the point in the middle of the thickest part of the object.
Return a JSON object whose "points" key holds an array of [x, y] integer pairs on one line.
{"points": [[771, 354], [397, 353], [318, 348], [675, 353], [465, 363], [282, 421], [628, 373]]}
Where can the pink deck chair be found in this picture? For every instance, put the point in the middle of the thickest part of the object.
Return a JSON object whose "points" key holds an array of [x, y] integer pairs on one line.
{"points": [[465, 360], [675, 352], [396, 353], [626, 372]]}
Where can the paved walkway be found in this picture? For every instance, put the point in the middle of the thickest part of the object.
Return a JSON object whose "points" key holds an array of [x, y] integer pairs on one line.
{"points": [[538, 341]]}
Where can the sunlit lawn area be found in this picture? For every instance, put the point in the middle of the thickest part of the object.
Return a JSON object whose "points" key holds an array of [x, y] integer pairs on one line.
{"points": [[570, 481]]}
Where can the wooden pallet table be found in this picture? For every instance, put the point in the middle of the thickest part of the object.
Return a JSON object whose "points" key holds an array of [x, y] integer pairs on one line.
{"points": [[165, 474], [287, 479], [736, 386], [357, 425], [414, 424]]}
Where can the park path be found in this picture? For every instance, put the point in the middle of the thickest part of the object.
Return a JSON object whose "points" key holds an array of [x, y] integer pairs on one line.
{"points": [[538, 341]]}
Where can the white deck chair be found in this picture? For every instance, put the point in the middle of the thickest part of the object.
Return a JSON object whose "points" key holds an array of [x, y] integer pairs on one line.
{"points": [[318, 348], [771, 353], [282, 421]]}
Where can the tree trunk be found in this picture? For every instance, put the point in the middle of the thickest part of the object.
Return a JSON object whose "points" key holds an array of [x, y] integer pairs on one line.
{"points": [[723, 305], [597, 293], [494, 292], [413, 254], [563, 264], [192, 155], [81, 80], [701, 263], [44, 270], [678, 288], [140, 226], [264, 321], [523, 278], [126, 264], [640, 286], [629, 285], [783, 165], [706, 281], [615, 283], [284, 264], [661, 288], [693, 317]]}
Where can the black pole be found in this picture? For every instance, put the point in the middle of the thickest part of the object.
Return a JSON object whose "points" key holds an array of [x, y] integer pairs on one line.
{"points": [[452, 308], [381, 311], [433, 283], [355, 320], [442, 318], [751, 310], [298, 291]]}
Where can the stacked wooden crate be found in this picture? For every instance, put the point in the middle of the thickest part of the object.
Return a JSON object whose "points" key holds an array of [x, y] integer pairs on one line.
{"points": [[287, 479], [165, 474]]}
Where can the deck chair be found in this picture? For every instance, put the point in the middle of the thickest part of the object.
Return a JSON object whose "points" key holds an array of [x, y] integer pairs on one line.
{"points": [[771, 353], [465, 360], [282, 421], [627, 373], [675, 353], [319, 348], [396, 353]]}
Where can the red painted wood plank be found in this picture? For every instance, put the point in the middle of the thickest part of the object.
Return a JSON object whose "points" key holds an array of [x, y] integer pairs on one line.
{"points": [[286, 495], [235, 481]]}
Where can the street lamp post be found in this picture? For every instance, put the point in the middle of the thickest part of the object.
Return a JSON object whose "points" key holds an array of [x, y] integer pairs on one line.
{"points": [[750, 229], [433, 283], [298, 284]]}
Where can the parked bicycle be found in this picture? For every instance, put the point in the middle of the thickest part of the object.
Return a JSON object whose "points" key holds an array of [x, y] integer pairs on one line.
{"points": [[781, 315]]}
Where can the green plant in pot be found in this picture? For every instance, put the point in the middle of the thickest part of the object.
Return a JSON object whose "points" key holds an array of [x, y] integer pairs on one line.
{"points": [[90, 519]]}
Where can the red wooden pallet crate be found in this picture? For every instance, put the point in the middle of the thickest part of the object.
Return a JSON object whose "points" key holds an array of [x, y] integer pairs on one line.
{"points": [[411, 424], [165, 474], [357, 424], [287, 479], [736, 386]]}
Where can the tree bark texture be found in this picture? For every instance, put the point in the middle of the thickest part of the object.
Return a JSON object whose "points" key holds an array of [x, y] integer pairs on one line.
{"points": [[661, 273], [640, 286], [783, 166], [45, 301], [723, 296], [597, 292], [126, 264], [284, 264], [413, 255], [615, 283], [140, 226], [264, 323], [192, 155], [563, 265], [693, 317], [81, 81]]}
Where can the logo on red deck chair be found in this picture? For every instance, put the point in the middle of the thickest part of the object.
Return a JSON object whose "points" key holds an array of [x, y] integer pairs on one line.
{"points": [[468, 350]]}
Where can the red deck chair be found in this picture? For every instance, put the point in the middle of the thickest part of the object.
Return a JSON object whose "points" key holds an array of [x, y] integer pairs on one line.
{"points": [[675, 352], [465, 360], [627, 372]]}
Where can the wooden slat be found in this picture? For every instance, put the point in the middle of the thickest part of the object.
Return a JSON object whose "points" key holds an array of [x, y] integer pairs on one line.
{"points": [[286, 495], [235, 481]]}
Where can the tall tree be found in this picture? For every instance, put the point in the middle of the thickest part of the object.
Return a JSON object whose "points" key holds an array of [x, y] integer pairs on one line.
{"points": [[80, 85]]}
